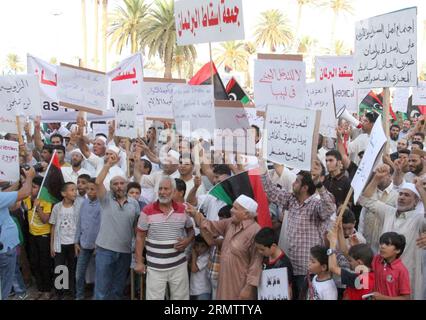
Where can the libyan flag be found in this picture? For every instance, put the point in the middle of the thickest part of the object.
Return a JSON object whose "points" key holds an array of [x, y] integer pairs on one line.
{"points": [[374, 102], [203, 76], [249, 184], [50, 190], [235, 92]]}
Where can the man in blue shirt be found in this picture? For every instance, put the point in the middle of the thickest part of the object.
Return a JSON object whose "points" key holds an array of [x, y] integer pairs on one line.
{"points": [[9, 236]]}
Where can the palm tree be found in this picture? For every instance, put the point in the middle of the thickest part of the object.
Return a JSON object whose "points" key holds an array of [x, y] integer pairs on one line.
{"points": [[340, 48], [183, 61], [338, 7], [53, 60], [104, 33], [159, 36], [232, 54], [307, 45], [84, 28], [126, 23], [14, 63], [300, 5], [96, 2], [273, 30]]}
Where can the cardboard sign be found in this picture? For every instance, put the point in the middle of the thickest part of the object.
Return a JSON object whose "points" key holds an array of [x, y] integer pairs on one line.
{"points": [[200, 21], [400, 99], [9, 160], [83, 89], [126, 124], [157, 96], [193, 109], [279, 82], [292, 135], [338, 71], [386, 50], [19, 96], [419, 94], [273, 285], [319, 96], [374, 149]]}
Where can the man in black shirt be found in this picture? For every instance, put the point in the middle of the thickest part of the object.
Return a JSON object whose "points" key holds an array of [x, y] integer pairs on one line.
{"points": [[336, 182]]}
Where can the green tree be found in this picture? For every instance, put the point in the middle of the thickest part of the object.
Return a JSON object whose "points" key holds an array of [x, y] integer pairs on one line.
{"points": [[126, 22], [232, 54], [13, 63], [273, 30], [159, 36], [306, 45]]}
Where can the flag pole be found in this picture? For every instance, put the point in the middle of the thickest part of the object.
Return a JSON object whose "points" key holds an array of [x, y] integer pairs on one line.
{"points": [[211, 63], [386, 104]]}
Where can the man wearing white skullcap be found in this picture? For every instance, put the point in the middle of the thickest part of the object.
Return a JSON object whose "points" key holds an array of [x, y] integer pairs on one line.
{"points": [[405, 219], [71, 173], [240, 263]]}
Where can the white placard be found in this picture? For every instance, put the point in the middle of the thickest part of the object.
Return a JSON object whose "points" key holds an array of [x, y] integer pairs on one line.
{"points": [[339, 71], [254, 119], [273, 285], [279, 82], [374, 148], [200, 21], [157, 99], [291, 135], [126, 124], [127, 79], [98, 128], [400, 99], [419, 94], [19, 95], [9, 160], [193, 109], [319, 96], [87, 89], [386, 50]]}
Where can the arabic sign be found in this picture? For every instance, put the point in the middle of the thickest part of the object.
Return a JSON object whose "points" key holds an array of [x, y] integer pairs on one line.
{"points": [[127, 78], [126, 124], [83, 89], [386, 50], [199, 21], [19, 95], [157, 99], [273, 285], [9, 160], [319, 96], [400, 99], [279, 82], [254, 118], [193, 109], [339, 72], [419, 94], [291, 135], [374, 148]]}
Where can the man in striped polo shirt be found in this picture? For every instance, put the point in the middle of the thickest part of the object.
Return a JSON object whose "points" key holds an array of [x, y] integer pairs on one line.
{"points": [[161, 229]]}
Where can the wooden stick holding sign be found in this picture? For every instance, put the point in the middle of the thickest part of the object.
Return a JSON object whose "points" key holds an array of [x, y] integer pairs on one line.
{"points": [[20, 139], [386, 107], [345, 204]]}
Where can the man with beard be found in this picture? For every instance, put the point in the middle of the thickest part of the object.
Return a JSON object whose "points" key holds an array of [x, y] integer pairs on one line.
{"points": [[361, 142], [416, 166], [160, 229], [406, 126], [336, 182], [405, 219], [394, 134], [402, 144], [114, 242], [71, 173]]}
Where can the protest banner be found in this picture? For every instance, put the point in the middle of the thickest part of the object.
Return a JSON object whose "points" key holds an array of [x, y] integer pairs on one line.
{"points": [[419, 94], [386, 50], [9, 160], [338, 71], [127, 78], [126, 124], [99, 128], [231, 132], [400, 99], [193, 110], [253, 117], [292, 135], [202, 21], [319, 96], [19, 96], [83, 89], [374, 149], [279, 80], [157, 94], [273, 285]]}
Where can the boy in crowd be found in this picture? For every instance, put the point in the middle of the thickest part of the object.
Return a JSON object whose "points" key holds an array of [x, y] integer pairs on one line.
{"points": [[392, 280], [199, 284], [82, 182], [134, 191], [267, 245], [64, 226], [322, 286], [88, 225]]}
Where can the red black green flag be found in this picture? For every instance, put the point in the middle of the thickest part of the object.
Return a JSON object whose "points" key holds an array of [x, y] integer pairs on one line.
{"points": [[374, 102], [203, 76], [50, 190], [235, 92], [249, 184]]}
